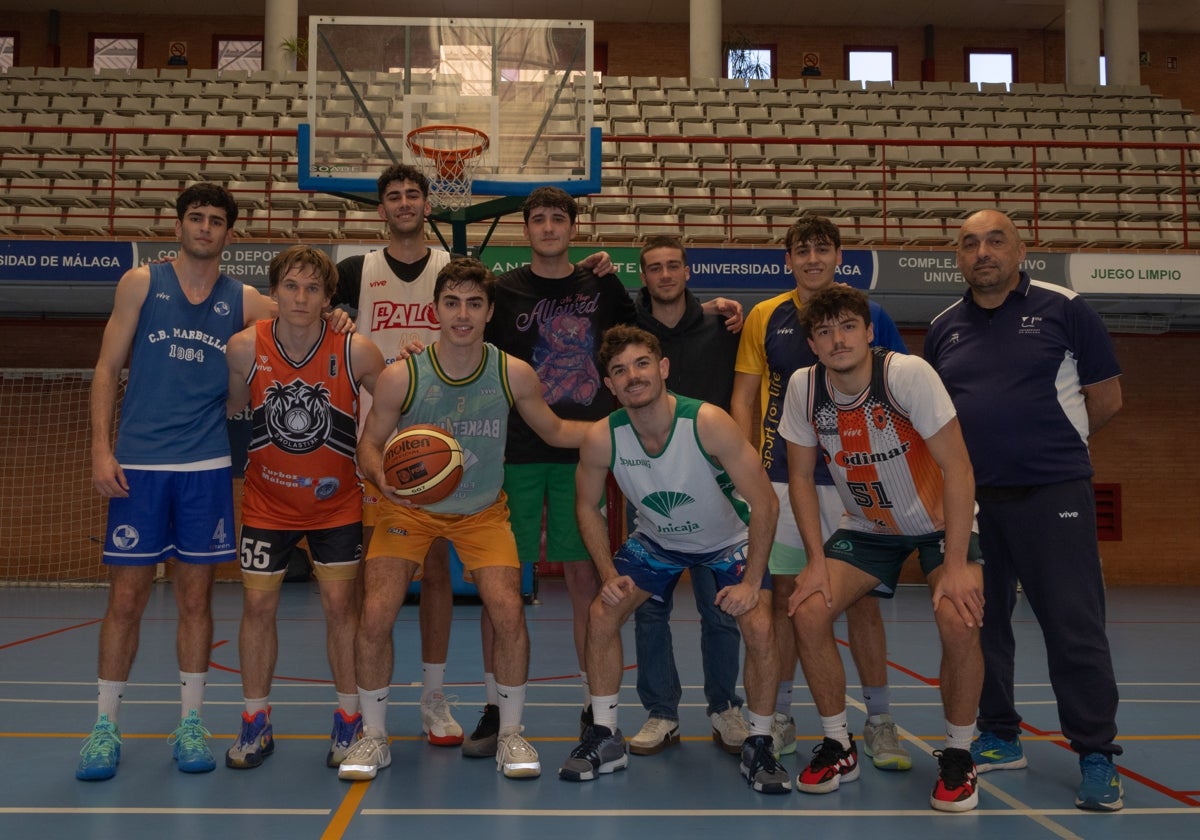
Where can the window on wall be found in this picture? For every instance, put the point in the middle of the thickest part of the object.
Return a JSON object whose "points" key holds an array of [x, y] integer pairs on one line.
{"points": [[992, 66], [871, 64], [239, 53], [116, 52], [752, 61], [8, 50]]}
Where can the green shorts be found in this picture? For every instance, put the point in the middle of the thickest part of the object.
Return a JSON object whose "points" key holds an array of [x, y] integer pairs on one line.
{"points": [[532, 488], [788, 556], [882, 555]]}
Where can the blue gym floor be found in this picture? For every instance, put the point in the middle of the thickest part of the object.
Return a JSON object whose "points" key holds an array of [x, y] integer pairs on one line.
{"points": [[48, 643]]}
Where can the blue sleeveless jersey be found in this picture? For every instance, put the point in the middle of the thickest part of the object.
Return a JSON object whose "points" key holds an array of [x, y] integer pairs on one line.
{"points": [[174, 407]]}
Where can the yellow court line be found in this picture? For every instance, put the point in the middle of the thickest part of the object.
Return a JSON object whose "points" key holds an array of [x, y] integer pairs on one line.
{"points": [[345, 812]]}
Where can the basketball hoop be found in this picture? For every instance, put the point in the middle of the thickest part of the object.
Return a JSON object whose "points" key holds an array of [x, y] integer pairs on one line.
{"points": [[448, 156]]}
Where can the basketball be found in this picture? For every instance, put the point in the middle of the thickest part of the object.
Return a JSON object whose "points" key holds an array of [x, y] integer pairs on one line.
{"points": [[423, 464]]}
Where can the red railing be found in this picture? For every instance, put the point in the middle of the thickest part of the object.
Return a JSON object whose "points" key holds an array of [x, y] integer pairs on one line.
{"points": [[884, 191]]}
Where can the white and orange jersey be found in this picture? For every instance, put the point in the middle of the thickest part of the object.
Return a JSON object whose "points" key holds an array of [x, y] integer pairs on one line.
{"points": [[874, 442]]}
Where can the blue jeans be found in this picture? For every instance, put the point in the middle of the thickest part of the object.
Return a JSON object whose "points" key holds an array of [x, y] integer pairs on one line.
{"points": [[720, 645]]}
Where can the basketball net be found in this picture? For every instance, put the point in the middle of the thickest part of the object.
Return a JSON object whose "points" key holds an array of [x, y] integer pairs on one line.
{"points": [[448, 156]]}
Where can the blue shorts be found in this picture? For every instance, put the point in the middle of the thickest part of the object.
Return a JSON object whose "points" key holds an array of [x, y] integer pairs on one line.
{"points": [[656, 569], [882, 555], [171, 513]]}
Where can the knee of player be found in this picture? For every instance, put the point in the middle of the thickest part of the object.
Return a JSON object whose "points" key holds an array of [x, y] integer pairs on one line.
{"points": [[953, 629], [813, 614]]}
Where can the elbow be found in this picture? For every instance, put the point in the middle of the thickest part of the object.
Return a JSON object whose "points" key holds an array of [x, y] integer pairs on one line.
{"points": [[771, 506]]}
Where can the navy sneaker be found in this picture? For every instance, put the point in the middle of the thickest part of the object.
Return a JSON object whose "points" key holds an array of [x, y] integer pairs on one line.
{"points": [[347, 729], [256, 742]]}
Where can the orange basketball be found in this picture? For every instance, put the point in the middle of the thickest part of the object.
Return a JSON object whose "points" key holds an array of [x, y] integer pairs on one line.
{"points": [[423, 463]]}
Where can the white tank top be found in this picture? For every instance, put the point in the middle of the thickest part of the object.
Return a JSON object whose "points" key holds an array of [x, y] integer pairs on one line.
{"points": [[684, 499]]}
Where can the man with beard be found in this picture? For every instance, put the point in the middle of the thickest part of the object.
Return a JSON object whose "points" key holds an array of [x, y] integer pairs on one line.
{"points": [[701, 352], [702, 498]]}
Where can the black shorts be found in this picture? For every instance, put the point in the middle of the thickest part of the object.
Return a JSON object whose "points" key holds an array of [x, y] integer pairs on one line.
{"points": [[263, 553], [882, 555]]}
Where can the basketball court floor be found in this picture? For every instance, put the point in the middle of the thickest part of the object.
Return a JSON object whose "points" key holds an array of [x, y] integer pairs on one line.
{"points": [[48, 643]]}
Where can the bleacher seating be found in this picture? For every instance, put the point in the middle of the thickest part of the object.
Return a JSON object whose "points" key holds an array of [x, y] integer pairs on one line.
{"points": [[713, 159]]}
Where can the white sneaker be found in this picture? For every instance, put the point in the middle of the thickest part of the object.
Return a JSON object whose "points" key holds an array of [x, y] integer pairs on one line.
{"points": [[881, 742], [515, 757], [655, 736], [730, 729], [368, 756], [783, 734], [437, 722]]}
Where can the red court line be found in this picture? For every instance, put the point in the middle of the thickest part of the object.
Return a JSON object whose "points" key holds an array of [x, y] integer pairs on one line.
{"points": [[933, 681], [1183, 797], [51, 633]]}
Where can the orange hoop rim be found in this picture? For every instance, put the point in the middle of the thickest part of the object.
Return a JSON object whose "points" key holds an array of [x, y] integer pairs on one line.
{"points": [[447, 159]]}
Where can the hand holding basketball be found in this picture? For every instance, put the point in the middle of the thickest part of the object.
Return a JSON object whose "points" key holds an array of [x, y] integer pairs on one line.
{"points": [[422, 464]]}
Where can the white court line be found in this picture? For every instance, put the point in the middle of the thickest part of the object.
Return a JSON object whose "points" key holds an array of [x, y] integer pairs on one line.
{"points": [[749, 812], [218, 812], [1017, 806], [519, 812]]}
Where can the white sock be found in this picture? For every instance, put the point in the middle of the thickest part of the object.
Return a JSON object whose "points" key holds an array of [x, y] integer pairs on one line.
{"points": [[587, 688], [489, 686], [512, 705], [604, 710], [348, 703], [109, 694], [837, 728], [256, 705], [760, 724], [433, 678], [959, 737], [191, 689], [373, 705]]}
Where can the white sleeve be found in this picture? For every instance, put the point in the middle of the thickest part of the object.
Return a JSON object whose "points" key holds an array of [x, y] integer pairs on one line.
{"points": [[794, 425], [916, 388]]}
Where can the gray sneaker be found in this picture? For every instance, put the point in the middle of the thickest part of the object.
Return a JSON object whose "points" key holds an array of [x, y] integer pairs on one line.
{"points": [[729, 729], [783, 734], [882, 743], [368, 756], [601, 751], [761, 769], [482, 743], [515, 757]]}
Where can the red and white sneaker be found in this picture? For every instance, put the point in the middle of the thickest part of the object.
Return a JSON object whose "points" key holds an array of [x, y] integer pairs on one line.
{"points": [[439, 725], [957, 786], [830, 766]]}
